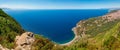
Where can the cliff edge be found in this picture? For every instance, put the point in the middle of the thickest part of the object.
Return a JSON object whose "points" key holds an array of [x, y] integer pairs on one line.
{"points": [[13, 37]]}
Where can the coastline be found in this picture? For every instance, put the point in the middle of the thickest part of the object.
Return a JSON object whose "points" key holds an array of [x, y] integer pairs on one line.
{"points": [[73, 40], [114, 16]]}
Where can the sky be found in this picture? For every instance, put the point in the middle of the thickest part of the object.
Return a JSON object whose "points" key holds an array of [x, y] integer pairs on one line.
{"points": [[59, 4]]}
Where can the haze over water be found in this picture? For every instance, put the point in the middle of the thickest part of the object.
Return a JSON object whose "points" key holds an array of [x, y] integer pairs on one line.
{"points": [[56, 25]]}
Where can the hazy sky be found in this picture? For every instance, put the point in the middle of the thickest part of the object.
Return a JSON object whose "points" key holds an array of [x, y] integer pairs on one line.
{"points": [[59, 4]]}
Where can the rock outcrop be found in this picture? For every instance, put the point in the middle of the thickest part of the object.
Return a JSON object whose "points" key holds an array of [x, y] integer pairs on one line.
{"points": [[25, 41], [2, 48]]}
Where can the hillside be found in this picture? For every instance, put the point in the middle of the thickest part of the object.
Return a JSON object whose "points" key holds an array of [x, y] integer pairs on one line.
{"points": [[10, 29], [99, 33]]}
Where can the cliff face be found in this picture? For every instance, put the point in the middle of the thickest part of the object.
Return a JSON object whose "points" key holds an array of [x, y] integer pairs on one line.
{"points": [[99, 33]]}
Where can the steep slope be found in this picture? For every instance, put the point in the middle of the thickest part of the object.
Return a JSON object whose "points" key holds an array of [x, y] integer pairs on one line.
{"points": [[100, 33], [9, 29]]}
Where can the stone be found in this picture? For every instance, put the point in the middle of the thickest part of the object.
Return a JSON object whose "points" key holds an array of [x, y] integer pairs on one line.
{"points": [[25, 41]]}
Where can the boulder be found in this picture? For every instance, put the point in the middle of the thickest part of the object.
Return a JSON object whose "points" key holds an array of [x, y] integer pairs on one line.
{"points": [[25, 41]]}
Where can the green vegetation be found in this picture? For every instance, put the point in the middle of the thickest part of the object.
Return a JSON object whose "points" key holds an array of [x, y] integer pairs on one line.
{"points": [[100, 34], [9, 28], [42, 43]]}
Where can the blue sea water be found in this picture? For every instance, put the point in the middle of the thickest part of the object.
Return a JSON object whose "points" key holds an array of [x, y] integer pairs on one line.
{"points": [[56, 25]]}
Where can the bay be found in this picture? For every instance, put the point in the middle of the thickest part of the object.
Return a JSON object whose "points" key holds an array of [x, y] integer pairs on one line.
{"points": [[56, 25]]}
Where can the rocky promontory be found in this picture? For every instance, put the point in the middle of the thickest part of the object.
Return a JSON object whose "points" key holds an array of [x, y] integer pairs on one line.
{"points": [[25, 41]]}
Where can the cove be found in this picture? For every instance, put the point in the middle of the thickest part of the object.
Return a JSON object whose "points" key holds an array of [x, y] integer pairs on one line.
{"points": [[56, 25]]}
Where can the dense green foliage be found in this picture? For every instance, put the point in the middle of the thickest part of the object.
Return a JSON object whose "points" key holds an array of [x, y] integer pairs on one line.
{"points": [[42, 43], [9, 28]]}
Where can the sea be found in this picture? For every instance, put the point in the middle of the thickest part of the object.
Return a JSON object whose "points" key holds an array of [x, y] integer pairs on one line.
{"points": [[56, 25]]}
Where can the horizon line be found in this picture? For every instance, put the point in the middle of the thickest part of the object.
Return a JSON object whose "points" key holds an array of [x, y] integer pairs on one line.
{"points": [[52, 8]]}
